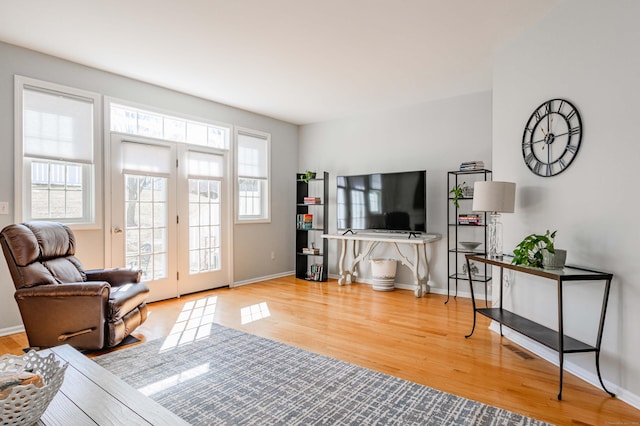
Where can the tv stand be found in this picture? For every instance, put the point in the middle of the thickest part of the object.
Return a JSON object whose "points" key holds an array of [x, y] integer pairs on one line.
{"points": [[419, 241]]}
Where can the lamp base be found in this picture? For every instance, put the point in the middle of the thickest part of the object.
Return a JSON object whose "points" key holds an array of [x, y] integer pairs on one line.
{"points": [[495, 237]]}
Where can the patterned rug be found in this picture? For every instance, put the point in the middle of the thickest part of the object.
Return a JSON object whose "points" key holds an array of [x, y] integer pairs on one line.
{"points": [[235, 378]]}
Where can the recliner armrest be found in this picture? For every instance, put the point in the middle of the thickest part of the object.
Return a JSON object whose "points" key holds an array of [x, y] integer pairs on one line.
{"points": [[86, 289], [115, 276]]}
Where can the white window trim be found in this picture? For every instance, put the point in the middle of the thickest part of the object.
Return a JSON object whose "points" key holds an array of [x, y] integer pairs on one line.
{"points": [[267, 136], [95, 202]]}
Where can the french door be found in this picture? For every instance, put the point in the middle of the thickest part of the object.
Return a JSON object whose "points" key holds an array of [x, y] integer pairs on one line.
{"points": [[169, 214]]}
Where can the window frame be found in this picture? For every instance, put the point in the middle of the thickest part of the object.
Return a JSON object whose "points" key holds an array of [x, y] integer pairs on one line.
{"points": [[92, 172], [266, 203]]}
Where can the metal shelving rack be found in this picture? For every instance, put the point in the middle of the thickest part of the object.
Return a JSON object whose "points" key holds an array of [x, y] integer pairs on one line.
{"points": [[455, 253]]}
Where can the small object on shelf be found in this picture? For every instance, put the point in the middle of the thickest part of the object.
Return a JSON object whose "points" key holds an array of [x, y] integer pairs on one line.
{"points": [[457, 192], [316, 272], [311, 200], [472, 266], [470, 245], [304, 221], [307, 250], [307, 176], [472, 165], [469, 219]]}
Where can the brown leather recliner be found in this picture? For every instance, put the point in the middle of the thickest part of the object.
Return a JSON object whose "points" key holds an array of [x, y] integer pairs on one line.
{"points": [[62, 303]]}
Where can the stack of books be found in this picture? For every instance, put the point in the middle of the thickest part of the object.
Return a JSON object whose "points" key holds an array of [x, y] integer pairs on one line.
{"points": [[304, 221], [469, 219], [308, 250], [315, 272], [472, 165], [311, 200]]}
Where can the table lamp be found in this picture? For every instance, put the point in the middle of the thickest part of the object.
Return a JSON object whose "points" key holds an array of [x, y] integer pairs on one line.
{"points": [[496, 198]]}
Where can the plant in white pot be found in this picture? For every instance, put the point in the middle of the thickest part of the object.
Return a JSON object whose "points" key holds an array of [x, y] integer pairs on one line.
{"points": [[539, 250]]}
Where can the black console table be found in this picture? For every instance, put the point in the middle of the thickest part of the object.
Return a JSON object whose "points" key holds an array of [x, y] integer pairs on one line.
{"points": [[551, 338]]}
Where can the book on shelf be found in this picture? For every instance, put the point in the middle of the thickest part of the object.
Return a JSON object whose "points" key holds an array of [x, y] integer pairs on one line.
{"points": [[304, 221], [315, 272], [311, 200], [472, 165], [469, 219], [310, 250]]}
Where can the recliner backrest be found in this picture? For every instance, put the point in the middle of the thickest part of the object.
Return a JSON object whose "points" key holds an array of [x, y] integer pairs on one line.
{"points": [[41, 253]]}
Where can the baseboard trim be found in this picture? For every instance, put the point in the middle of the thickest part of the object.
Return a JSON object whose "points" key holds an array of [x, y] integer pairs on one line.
{"points": [[11, 330], [264, 278]]}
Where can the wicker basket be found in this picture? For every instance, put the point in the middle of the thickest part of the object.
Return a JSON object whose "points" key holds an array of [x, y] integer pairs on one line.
{"points": [[26, 404]]}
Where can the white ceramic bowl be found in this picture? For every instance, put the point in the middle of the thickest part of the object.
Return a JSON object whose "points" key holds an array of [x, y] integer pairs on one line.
{"points": [[470, 245]]}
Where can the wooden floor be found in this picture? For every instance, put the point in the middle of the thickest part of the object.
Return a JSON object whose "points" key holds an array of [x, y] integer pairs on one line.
{"points": [[421, 340]]}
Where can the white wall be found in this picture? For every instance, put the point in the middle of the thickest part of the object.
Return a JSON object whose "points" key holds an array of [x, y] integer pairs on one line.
{"points": [[586, 52], [252, 244], [435, 136]]}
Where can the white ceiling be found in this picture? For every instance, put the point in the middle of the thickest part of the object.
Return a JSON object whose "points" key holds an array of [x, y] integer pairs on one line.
{"points": [[301, 61]]}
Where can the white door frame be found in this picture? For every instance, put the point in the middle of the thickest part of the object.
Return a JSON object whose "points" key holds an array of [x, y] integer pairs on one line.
{"points": [[228, 213]]}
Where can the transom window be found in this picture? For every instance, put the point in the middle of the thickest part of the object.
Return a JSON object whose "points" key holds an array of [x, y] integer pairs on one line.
{"points": [[135, 121]]}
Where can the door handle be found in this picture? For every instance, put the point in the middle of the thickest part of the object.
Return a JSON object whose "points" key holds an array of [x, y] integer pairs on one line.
{"points": [[117, 230]]}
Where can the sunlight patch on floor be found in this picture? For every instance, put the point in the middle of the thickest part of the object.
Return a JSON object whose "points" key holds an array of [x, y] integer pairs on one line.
{"points": [[254, 313], [174, 380], [193, 323]]}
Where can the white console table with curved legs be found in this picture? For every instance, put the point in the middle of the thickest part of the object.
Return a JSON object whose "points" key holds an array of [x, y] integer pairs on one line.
{"points": [[418, 246]]}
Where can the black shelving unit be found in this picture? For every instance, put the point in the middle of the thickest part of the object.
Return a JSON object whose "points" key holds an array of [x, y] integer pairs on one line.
{"points": [[457, 232], [313, 267]]}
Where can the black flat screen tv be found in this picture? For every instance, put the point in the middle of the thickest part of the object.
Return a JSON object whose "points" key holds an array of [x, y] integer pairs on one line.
{"points": [[391, 202]]}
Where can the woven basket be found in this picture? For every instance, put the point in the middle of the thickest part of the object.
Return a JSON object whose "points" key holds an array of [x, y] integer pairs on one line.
{"points": [[26, 404]]}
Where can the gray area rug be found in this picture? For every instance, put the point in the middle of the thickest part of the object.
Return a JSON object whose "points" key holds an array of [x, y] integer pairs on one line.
{"points": [[235, 378]]}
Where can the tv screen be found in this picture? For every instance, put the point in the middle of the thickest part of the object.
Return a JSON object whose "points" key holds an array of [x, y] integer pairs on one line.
{"points": [[394, 202]]}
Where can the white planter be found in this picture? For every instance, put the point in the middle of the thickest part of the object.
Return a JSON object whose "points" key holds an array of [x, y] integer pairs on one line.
{"points": [[383, 272], [553, 260]]}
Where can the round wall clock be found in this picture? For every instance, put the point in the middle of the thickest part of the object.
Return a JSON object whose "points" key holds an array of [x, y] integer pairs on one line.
{"points": [[551, 138]]}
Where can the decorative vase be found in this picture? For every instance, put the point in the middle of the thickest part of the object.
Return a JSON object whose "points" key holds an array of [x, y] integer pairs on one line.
{"points": [[553, 260]]}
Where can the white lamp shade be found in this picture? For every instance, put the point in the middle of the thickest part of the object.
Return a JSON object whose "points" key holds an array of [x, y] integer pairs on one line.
{"points": [[492, 196]]}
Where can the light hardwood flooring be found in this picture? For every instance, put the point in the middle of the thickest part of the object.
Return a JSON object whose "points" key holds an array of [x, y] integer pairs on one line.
{"points": [[421, 340]]}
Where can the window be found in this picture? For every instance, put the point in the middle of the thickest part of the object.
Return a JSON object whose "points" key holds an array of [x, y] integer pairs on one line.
{"points": [[56, 144], [136, 121], [252, 185]]}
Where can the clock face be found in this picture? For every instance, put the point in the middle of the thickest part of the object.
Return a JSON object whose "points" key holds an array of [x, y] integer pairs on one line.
{"points": [[551, 138]]}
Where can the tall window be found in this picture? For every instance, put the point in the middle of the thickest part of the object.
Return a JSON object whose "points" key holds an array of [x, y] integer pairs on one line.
{"points": [[252, 192], [56, 138]]}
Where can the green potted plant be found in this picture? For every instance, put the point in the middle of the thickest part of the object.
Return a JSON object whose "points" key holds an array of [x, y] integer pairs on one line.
{"points": [[539, 250], [307, 176], [457, 192]]}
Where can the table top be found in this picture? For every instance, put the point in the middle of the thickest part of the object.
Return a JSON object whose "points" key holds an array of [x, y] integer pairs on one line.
{"points": [[568, 273], [386, 237], [91, 395]]}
